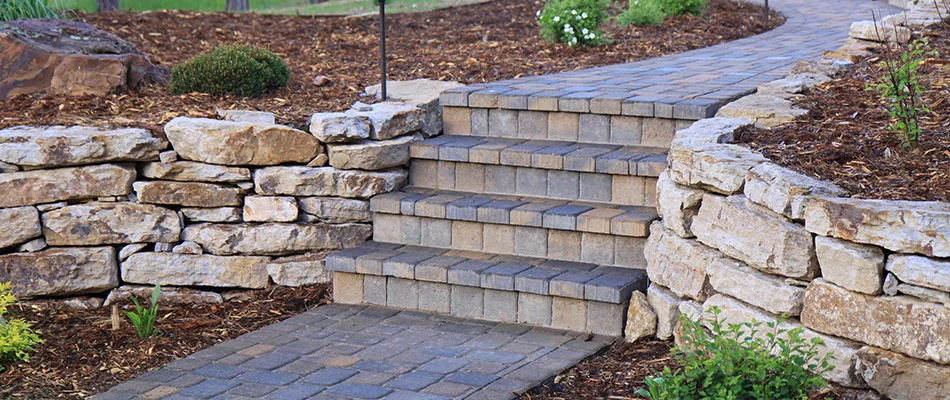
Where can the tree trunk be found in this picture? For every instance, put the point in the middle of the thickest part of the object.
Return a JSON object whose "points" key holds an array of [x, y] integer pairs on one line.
{"points": [[107, 5], [237, 6]]}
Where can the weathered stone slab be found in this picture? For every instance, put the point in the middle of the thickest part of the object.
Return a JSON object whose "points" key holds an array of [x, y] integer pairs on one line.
{"points": [[920, 271], [721, 168], [711, 130], [221, 214], [677, 204], [32, 246], [756, 236], [900, 377], [390, 119], [424, 93], [678, 264], [129, 250], [190, 171], [856, 267], [169, 295], [58, 146], [326, 181], [901, 226], [187, 247], [270, 209], [275, 238], [72, 183], [339, 127], [18, 225], [239, 143], [902, 324], [250, 116], [299, 270], [370, 154], [785, 191], [853, 50], [765, 110], [666, 306], [879, 32], [60, 272], [335, 210], [641, 320], [189, 194], [923, 293], [829, 67], [98, 223], [195, 270], [766, 291]]}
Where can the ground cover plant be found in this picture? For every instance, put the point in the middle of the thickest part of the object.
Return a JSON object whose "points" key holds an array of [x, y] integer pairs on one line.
{"points": [[17, 338]]}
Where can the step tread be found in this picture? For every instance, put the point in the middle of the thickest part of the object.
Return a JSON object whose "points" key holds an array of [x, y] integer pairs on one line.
{"points": [[585, 281], [578, 216], [610, 159]]}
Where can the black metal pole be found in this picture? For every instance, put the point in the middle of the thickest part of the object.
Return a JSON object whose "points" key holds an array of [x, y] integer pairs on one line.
{"points": [[767, 11], [382, 48]]}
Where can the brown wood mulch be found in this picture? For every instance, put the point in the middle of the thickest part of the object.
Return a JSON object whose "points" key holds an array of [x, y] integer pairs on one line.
{"points": [[844, 138], [477, 43]]}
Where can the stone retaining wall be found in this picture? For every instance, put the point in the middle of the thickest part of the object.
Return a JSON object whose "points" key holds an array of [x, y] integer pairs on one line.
{"points": [[237, 202]]}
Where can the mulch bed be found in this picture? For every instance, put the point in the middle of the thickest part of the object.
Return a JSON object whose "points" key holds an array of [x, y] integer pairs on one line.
{"points": [[83, 356], [844, 138], [484, 42]]}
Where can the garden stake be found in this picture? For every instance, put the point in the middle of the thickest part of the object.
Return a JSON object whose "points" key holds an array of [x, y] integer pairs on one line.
{"points": [[382, 49], [766, 11]]}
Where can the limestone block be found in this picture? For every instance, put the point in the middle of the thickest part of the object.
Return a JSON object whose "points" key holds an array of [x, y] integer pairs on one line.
{"points": [[370, 154], [766, 110], [270, 209], [829, 67], [677, 204], [879, 32], [275, 238], [856, 267], [5, 168], [756, 236], [853, 50], [250, 116], [901, 226], [326, 181], [785, 191], [187, 247], [677, 263], [97, 223], [768, 292], [239, 143], [902, 324], [220, 214], [58, 146], [299, 270], [890, 284], [641, 320], [923, 293], [33, 246], [195, 270], [188, 194], [920, 271], [169, 295], [391, 119], [71, 183], [424, 93], [335, 210], [721, 168], [711, 130], [900, 377], [809, 80], [190, 171], [128, 250], [338, 127], [60, 271], [18, 225], [784, 87], [666, 306], [168, 156]]}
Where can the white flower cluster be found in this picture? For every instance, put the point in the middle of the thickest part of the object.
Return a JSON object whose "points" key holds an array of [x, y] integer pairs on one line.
{"points": [[570, 33]]}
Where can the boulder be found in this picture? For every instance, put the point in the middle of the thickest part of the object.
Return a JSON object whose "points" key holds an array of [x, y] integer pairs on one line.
{"points": [[424, 93], [189, 194], [169, 295], [305, 269], [98, 223], [57, 146], [785, 191], [240, 143], [339, 127], [335, 210], [901, 226], [370, 154], [766, 291], [766, 110], [71, 183], [641, 320], [60, 271], [666, 306], [856, 267], [275, 238], [900, 377], [326, 181], [920, 271], [270, 209], [190, 171], [677, 204], [18, 225], [721, 168], [195, 270], [220, 214], [678, 264], [59, 56]]}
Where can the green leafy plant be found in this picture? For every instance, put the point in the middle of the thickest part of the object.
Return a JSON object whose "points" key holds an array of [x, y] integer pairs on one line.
{"points": [[143, 319], [17, 339], [575, 22], [642, 13], [741, 361], [236, 69], [15, 9], [680, 7], [900, 87]]}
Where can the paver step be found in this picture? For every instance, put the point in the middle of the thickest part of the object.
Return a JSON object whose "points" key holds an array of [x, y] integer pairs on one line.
{"points": [[537, 291]]}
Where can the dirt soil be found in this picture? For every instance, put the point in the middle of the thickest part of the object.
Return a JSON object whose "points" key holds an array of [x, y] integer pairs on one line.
{"points": [[83, 356], [477, 43], [844, 137]]}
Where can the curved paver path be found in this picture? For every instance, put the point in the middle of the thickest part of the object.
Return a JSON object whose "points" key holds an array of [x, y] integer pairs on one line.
{"points": [[356, 351]]}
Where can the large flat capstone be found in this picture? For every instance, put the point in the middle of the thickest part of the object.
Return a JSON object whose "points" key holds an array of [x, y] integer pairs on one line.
{"points": [[195, 270], [240, 143], [71, 183], [58, 146], [275, 238]]}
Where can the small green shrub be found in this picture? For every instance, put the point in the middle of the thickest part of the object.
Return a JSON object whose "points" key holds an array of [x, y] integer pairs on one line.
{"points": [[642, 13], [680, 7], [575, 22], [900, 87], [741, 361], [15, 9], [236, 69], [143, 319], [16, 336]]}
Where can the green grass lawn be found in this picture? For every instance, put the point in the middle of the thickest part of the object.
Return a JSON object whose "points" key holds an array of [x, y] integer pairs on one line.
{"points": [[342, 7]]}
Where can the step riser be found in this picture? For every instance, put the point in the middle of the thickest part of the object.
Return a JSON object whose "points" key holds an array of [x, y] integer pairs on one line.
{"points": [[475, 302], [555, 244], [533, 182], [563, 126]]}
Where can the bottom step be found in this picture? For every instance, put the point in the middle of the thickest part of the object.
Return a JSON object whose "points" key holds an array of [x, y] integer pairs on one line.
{"points": [[564, 295]]}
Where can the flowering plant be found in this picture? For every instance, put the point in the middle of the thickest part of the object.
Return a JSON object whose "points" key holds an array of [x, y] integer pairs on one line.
{"points": [[575, 22]]}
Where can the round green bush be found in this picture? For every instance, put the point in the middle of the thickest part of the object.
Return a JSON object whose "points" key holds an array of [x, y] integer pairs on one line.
{"points": [[237, 69]]}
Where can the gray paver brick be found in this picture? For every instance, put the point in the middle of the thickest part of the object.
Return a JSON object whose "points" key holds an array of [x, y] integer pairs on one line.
{"points": [[209, 387], [353, 390], [416, 380], [502, 276], [501, 305]]}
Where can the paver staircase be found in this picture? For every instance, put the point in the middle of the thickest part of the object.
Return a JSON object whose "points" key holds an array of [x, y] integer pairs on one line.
{"points": [[530, 208]]}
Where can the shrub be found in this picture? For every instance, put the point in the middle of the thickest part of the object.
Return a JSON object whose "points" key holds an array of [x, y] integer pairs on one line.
{"points": [[15, 9], [900, 87], [741, 362], [642, 13], [575, 22], [679, 7], [16, 337], [236, 69]]}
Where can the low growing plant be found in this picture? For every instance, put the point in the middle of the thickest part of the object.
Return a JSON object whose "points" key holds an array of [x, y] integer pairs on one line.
{"points": [[143, 319], [17, 338], [741, 361], [15, 9], [680, 7], [900, 87], [234, 69], [642, 13], [575, 22]]}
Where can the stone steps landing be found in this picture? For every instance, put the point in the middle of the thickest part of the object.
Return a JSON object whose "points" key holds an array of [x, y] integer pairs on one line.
{"points": [[582, 297]]}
